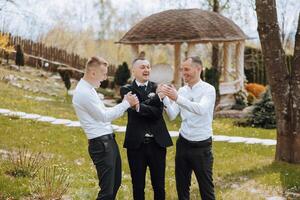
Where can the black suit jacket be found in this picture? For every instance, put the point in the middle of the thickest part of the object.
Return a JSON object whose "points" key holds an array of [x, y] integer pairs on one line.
{"points": [[149, 119]]}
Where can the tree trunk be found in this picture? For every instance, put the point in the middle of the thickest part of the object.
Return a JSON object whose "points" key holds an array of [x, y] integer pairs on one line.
{"points": [[215, 47], [283, 83], [295, 98], [215, 54]]}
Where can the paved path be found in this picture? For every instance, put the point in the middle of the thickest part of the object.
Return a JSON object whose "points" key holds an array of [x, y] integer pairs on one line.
{"points": [[70, 123]]}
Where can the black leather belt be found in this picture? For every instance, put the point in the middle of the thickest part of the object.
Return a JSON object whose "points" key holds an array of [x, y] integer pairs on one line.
{"points": [[148, 140], [103, 137], [200, 144]]}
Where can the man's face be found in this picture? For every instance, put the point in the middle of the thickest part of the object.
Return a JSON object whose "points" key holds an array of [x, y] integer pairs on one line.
{"points": [[190, 73], [141, 70], [99, 74]]}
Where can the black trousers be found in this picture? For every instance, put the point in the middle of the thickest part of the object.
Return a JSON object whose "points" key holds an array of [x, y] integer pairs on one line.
{"points": [[197, 157], [105, 154], [147, 155]]}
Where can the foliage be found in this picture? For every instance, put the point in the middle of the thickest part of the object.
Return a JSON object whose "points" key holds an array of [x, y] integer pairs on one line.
{"points": [[263, 113], [212, 77], [25, 163], [65, 76], [4, 43], [251, 98], [52, 183], [19, 56], [104, 84], [122, 74], [240, 100], [255, 89]]}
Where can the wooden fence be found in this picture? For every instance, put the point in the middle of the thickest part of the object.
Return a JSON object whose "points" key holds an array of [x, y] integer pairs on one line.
{"points": [[38, 54]]}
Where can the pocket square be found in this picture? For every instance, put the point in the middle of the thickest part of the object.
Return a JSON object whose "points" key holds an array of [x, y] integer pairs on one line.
{"points": [[151, 95]]}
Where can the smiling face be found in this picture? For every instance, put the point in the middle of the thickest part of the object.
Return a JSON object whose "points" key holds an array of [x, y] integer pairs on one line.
{"points": [[141, 70], [190, 72], [96, 71], [99, 74]]}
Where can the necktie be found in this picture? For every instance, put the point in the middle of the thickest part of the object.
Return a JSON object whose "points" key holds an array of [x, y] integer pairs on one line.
{"points": [[142, 87]]}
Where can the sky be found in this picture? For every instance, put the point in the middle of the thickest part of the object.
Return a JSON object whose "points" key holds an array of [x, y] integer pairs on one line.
{"points": [[33, 18]]}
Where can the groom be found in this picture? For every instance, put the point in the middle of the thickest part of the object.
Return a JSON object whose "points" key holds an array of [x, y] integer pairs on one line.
{"points": [[146, 134]]}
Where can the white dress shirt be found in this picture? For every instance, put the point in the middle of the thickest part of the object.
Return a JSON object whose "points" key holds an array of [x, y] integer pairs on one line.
{"points": [[94, 117], [196, 107], [138, 108], [141, 84]]}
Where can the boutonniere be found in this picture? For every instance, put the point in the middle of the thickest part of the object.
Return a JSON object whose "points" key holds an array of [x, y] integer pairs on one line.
{"points": [[151, 95]]}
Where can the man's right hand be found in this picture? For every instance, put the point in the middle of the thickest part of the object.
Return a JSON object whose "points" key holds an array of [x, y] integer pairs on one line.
{"points": [[159, 91], [132, 99]]}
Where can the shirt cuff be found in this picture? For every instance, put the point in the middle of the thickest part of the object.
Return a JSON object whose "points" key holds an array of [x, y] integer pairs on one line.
{"points": [[180, 100], [125, 104], [138, 108], [166, 101]]}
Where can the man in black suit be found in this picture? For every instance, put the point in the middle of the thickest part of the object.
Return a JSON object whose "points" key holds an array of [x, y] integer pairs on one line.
{"points": [[146, 136]]}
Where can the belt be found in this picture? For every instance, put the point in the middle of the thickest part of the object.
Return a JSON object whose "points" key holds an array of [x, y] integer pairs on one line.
{"points": [[201, 144], [148, 140], [103, 137]]}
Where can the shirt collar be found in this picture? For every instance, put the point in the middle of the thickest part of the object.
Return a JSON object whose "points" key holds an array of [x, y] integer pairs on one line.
{"points": [[141, 84], [87, 84], [198, 84]]}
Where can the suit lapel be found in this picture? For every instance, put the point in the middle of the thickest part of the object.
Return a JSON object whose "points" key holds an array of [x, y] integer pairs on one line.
{"points": [[149, 87]]}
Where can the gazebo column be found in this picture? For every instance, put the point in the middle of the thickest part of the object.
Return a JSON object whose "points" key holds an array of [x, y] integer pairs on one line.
{"points": [[134, 51], [227, 98], [227, 61], [191, 49], [239, 52], [135, 54], [177, 61]]}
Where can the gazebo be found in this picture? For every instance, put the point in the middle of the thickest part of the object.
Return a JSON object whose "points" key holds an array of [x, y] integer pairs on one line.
{"points": [[195, 26]]}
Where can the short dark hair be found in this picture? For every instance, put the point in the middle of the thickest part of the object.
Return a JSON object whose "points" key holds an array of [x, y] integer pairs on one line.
{"points": [[195, 60]]}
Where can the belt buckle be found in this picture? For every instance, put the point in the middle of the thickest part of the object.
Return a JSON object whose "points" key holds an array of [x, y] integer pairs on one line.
{"points": [[148, 140]]}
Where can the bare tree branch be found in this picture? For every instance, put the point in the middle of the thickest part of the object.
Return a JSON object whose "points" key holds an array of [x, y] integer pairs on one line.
{"points": [[224, 6]]}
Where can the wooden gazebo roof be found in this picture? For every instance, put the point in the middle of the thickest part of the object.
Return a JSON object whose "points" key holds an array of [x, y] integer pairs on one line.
{"points": [[183, 25]]}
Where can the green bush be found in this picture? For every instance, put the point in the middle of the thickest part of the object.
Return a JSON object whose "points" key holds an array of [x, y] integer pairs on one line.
{"points": [[19, 60], [104, 84], [122, 74], [212, 77], [263, 113], [65, 76]]}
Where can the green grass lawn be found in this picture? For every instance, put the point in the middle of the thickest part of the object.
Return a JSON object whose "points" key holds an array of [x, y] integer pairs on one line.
{"points": [[240, 171], [236, 165]]}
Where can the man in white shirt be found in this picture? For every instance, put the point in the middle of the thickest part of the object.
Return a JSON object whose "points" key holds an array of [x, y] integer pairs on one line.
{"points": [[95, 119], [195, 103]]}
